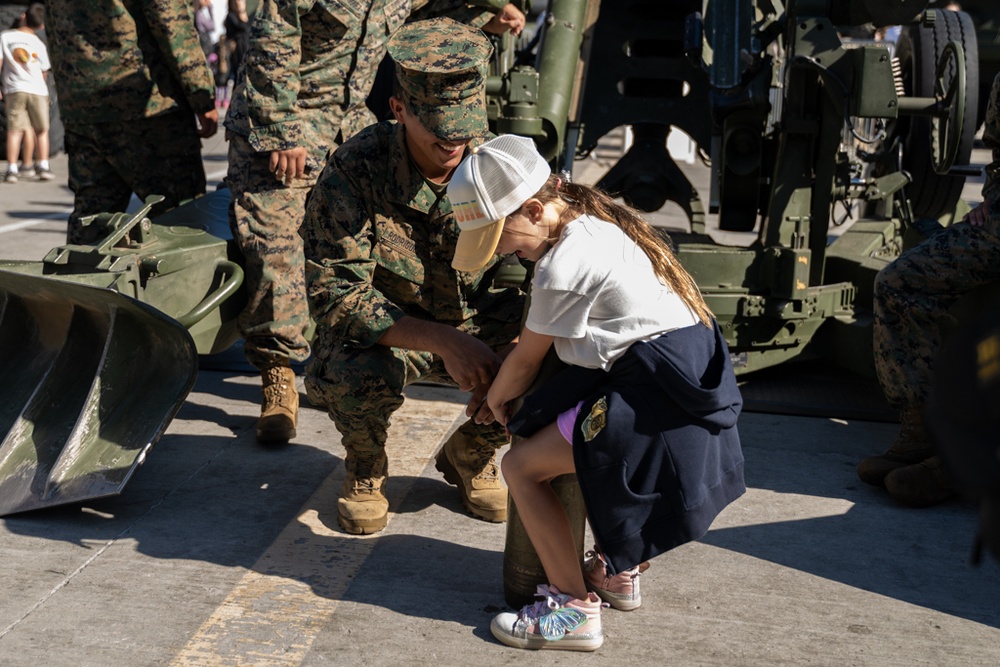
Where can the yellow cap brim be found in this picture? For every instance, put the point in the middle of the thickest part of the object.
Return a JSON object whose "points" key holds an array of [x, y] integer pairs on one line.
{"points": [[476, 247]]}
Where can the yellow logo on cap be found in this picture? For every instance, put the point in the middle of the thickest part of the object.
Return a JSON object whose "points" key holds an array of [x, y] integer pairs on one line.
{"points": [[467, 211]]}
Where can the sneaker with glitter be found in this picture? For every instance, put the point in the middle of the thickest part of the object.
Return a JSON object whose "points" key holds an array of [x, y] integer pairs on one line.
{"points": [[621, 590], [557, 621]]}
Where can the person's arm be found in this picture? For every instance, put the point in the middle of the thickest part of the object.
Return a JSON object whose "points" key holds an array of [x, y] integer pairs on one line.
{"points": [[517, 372], [338, 233], [991, 137], [272, 78], [467, 360], [172, 26], [508, 18], [477, 13]]}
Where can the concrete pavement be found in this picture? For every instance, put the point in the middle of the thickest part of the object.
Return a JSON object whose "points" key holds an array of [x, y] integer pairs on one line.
{"points": [[223, 552]]}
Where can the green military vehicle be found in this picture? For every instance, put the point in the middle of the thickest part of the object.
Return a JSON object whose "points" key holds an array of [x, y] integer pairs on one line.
{"points": [[803, 116]]}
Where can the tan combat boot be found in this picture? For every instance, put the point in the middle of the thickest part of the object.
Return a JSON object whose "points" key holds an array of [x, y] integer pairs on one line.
{"points": [[471, 465], [921, 485], [912, 445], [280, 410], [362, 508]]}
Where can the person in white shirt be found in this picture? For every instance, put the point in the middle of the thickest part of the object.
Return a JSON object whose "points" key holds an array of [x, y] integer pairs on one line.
{"points": [[24, 64]]}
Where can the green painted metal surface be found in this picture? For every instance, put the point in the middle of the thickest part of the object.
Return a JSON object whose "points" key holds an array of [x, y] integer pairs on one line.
{"points": [[90, 381], [101, 343]]}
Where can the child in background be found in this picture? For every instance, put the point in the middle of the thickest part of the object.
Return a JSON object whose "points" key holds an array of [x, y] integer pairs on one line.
{"points": [[645, 414]]}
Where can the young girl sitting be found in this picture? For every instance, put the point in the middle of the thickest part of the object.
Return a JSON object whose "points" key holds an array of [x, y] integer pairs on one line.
{"points": [[644, 414]]}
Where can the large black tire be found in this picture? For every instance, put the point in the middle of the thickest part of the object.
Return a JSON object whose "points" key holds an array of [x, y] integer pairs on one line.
{"points": [[919, 49]]}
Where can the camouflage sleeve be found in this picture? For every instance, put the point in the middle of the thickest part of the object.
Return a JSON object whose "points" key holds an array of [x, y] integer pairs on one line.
{"points": [[337, 235], [476, 14], [172, 26], [272, 74], [991, 137]]}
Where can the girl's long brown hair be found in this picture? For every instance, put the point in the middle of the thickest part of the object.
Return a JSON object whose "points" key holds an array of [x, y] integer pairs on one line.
{"points": [[584, 200]]}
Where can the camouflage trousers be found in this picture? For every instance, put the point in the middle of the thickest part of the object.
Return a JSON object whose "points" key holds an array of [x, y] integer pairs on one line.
{"points": [[362, 387], [109, 161], [912, 299], [265, 215]]}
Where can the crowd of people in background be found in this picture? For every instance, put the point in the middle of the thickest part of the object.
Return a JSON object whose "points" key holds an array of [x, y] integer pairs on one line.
{"points": [[225, 54]]}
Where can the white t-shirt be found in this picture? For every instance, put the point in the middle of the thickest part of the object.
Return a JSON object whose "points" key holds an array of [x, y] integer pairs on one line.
{"points": [[596, 292], [24, 60]]}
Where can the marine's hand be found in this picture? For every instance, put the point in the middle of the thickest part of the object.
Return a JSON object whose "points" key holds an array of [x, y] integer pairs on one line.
{"points": [[288, 164], [977, 216], [208, 123], [509, 18], [478, 409], [469, 361]]}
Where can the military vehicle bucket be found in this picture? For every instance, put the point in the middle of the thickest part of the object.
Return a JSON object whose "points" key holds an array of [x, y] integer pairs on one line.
{"points": [[100, 347], [91, 380]]}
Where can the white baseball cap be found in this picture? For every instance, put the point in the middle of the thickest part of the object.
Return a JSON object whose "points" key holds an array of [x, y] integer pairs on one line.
{"points": [[493, 182]]}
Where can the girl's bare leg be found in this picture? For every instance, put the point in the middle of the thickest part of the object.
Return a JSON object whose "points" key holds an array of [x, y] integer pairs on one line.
{"points": [[528, 468]]}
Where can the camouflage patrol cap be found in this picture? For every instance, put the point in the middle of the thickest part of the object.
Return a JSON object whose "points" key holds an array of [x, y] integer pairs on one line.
{"points": [[441, 68]]}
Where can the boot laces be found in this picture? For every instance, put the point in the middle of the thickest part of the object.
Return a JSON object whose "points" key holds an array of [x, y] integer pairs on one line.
{"points": [[486, 455], [276, 389], [363, 470]]}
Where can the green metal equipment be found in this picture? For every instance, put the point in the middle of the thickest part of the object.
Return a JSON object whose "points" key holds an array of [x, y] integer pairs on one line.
{"points": [[101, 345], [810, 124]]}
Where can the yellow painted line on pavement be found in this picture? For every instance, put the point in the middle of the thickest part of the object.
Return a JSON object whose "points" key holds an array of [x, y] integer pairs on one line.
{"points": [[274, 614]]}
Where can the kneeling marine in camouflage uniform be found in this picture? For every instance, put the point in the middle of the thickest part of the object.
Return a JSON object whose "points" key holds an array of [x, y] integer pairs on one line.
{"points": [[379, 234]]}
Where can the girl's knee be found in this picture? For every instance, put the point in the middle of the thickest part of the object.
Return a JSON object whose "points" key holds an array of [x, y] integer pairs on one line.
{"points": [[510, 464]]}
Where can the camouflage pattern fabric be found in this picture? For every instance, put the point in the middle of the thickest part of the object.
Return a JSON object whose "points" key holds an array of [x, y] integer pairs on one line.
{"points": [[914, 293], [476, 13], [378, 246], [310, 67], [307, 74], [126, 59], [109, 161], [362, 387], [264, 216]]}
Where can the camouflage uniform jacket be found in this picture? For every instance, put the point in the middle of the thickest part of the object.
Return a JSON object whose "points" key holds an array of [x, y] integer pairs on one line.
{"points": [[379, 244], [310, 64], [991, 137], [126, 59]]}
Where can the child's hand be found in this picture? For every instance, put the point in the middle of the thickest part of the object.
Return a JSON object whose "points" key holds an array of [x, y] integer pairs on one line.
{"points": [[499, 407]]}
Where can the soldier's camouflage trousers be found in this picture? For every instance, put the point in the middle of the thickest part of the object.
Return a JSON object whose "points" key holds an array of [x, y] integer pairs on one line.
{"points": [[912, 298], [264, 216], [361, 388], [109, 161]]}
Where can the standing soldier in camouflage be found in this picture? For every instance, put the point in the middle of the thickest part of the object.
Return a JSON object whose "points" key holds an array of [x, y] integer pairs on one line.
{"points": [[379, 236], [912, 299], [307, 74], [135, 94]]}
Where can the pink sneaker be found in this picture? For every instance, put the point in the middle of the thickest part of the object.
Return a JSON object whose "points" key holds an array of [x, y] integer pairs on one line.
{"points": [[621, 591], [557, 621]]}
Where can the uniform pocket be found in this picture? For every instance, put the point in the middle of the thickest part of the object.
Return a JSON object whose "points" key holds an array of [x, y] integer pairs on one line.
{"points": [[395, 253]]}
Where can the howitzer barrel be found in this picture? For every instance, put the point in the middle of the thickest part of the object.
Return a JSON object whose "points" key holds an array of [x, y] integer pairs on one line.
{"points": [[559, 59]]}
